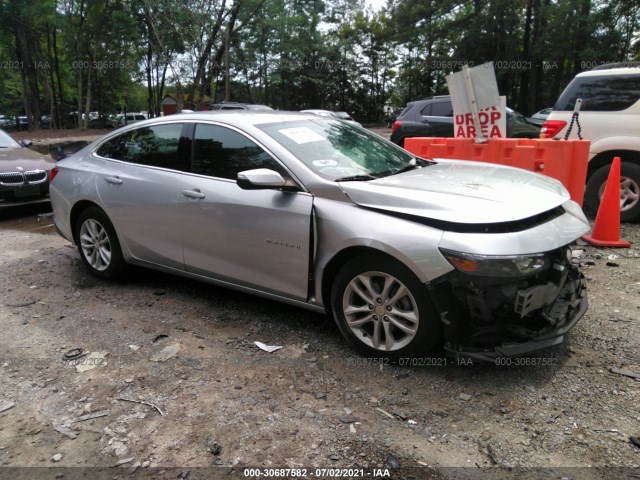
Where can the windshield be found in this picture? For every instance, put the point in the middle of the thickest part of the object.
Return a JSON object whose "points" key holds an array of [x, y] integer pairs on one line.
{"points": [[7, 142], [336, 150]]}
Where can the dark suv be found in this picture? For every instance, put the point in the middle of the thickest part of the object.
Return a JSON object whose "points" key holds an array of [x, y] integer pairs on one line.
{"points": [[433, 117]]}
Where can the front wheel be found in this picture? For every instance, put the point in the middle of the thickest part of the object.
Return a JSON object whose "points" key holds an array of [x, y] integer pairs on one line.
{"points": [[629, 190], [383, 309], [98, 244]]}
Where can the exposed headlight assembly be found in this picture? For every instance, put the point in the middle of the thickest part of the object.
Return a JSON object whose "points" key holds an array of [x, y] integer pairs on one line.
{"points": [[499, 266]]}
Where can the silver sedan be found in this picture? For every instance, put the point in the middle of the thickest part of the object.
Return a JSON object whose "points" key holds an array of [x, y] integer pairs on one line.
{"points": [[405, 253]]}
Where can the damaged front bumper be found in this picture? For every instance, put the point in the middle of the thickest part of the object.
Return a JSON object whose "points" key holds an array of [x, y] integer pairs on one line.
{"points": [[488, 318]]}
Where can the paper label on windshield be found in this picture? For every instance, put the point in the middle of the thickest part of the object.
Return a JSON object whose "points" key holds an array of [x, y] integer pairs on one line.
{"points": [[324, 163], [302, 135]]}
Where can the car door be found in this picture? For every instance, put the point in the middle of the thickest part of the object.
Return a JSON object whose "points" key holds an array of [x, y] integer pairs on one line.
{"points": [[139, 187], [257, 238], [442, 118]]}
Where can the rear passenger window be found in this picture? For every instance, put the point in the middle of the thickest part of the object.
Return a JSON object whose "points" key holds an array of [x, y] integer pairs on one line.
{"points": [[156, 146], [442, 109], [222, 152], [604, 94], [404, 111]]}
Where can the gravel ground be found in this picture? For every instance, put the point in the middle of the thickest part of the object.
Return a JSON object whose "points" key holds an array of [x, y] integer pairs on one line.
{"points": [[173, 386]]}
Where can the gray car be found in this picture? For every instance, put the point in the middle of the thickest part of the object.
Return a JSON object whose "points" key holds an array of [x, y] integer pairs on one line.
{"points": [[329, 113], [405, 253], [24, 173]]}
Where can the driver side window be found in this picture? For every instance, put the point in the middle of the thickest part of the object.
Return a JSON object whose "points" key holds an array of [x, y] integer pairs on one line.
{"points": [[221, 152]]}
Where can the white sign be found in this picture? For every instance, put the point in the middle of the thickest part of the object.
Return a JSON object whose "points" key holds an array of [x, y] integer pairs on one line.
{"points": [[302, 135], [492, 122], [485, 88], [478, 109]]}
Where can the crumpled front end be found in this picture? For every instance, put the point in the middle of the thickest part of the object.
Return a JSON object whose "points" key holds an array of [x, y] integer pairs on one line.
{"points": [[492, 314]]}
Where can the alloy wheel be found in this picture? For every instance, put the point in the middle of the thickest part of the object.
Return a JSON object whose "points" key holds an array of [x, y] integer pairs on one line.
{"points": [[380, 311], [95, 244]]}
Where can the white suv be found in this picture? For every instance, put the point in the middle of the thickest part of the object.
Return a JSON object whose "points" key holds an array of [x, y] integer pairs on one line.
{"points": [[131, 118], [610, 118]]}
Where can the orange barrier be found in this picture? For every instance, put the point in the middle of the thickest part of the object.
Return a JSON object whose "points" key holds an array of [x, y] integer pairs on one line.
{"points": [[606, 229], [564, 160]]}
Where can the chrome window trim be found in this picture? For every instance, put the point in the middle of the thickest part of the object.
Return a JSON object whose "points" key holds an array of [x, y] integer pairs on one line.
{"points": [[139, 165]]}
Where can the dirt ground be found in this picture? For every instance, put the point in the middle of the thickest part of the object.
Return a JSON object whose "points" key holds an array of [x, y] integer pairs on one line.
{"points": [[171, 385], [47, 137]]}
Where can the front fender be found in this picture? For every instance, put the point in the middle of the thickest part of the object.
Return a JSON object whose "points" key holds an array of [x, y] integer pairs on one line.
{"points": [[342, 225]]}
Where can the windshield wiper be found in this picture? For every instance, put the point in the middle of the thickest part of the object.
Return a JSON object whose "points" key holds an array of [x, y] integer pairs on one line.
{"points": [[414, 163], [356, 178]]}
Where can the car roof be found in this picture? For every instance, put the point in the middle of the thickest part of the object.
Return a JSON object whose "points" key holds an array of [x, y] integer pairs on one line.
{"points": [[251, 117], [316, 110], [241, 105], [429, 99], [609, 72], [435, 97]]}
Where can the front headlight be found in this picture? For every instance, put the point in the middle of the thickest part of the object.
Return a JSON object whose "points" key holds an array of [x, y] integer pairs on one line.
{"points": [[502, 266]]}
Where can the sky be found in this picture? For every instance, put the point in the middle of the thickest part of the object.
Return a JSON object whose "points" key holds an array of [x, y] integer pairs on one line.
{"points": [[375, 4]]}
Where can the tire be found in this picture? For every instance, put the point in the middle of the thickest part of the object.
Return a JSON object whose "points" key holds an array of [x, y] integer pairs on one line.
{"points": [[629, 190], [98, 244], [390, 325]]}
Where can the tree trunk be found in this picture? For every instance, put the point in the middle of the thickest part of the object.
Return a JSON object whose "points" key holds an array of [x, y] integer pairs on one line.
{"points": [[582, 37], [85, 120], [526, 103], [78, 116], [56, 67], [151, 104]]}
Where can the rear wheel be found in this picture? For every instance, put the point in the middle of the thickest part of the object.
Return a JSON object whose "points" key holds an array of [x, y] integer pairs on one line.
{"points": [[98, 244], [383, 309], [629, 190]]}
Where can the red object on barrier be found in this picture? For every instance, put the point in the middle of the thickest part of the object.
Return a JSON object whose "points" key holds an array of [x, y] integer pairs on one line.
{"points": [[606, 229], [564, 160]]}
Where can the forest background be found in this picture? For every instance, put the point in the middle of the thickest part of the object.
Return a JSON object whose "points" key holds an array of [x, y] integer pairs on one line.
{"points": [[59, 57]]}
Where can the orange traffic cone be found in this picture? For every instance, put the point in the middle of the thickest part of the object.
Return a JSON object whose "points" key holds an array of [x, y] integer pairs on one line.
{"points": [[606, 229]]}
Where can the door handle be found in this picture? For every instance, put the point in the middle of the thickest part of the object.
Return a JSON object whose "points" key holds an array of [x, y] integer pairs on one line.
{"points": [[113, 180], [193, 193]]}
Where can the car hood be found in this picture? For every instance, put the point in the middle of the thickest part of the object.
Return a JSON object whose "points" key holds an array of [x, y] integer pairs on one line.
{"points": [[25, 158], [461, 192]]}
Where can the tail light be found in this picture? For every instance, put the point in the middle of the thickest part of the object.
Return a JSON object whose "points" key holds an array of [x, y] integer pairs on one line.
{"points": [[550, 128], [395, 125], [53, 173]]}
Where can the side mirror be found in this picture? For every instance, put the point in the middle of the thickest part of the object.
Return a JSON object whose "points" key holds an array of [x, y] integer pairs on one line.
{"points": [[260, 179], [26, 143]]}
